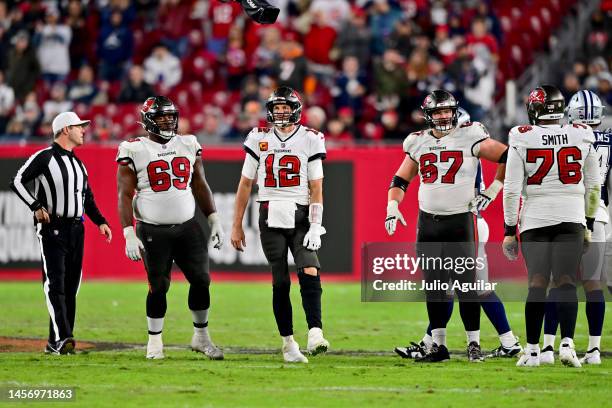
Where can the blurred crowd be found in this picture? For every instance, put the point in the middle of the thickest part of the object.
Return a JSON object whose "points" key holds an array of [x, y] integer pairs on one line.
{"points": [[362, 66]]}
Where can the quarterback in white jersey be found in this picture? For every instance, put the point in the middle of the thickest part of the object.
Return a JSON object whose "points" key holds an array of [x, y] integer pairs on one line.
{"points": [[446, 157], [554, 168], [160, 178], [286, 163]]}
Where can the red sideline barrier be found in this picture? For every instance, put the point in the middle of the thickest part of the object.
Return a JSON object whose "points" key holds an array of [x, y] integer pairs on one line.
{"points": [[373, 168]]}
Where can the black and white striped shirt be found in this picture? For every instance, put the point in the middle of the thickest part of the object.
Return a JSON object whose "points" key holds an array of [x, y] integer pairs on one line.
{"points": [[60, 185]]}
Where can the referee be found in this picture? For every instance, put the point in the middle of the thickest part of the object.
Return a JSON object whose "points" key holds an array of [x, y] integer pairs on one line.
{"points": [[59, 197]]}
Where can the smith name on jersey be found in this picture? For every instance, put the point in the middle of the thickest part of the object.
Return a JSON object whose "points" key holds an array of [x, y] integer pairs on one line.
{"points": [[284, 167], [164, 174], [603, 145], [447, 167], [551, 166]]}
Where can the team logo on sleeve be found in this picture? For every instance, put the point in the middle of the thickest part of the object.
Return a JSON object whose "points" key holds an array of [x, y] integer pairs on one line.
{"points": [[263, 146]]}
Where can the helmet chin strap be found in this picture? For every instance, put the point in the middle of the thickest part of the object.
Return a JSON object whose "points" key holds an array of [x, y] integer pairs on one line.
{"points": [[155, 133]]}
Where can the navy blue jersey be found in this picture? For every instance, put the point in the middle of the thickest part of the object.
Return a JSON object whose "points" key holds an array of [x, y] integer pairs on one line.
{"points": [[603, 145]]}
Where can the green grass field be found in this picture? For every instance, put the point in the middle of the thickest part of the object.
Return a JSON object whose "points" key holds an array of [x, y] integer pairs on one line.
{"points": [[253, 373]]}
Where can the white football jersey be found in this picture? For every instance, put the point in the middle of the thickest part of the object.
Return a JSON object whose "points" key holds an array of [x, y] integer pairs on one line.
{"points": [[551, 166], [164, 178], [447, 167], [282, 173]]}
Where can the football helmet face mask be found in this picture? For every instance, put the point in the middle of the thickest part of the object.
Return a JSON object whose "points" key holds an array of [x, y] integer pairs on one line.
{"points": [[160, 117], [545, 102], [436, 101], [284, 96], [586, 108]]}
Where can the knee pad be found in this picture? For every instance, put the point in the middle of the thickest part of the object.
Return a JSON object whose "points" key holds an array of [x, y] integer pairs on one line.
{"points": [[536, 295]]}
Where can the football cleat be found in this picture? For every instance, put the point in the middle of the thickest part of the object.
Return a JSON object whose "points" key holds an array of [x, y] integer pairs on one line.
{"points": [[50, 348], [436, 354], [507, 352], [529, 357], [547, 356], [65, 346], [155, 348], [316, 343], [593, 356], [474, 353], [292, 353], [203, 344], [413, 351], [567, 354]]}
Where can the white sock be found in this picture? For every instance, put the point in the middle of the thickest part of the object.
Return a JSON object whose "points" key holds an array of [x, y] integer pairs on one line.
{"points": [[427, 339], [549, 340], [287, 339], [533, 347], [473, 336], [594, 341], [507, 339], [200, 316], [155, 325], [155, 337], [439, 336]]}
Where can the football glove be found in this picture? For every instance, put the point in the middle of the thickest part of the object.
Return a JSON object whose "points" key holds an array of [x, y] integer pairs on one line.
{"points": [[216, 231], [510, 247], [133, 245], [482, 200], [393, 214], [312, 239]]}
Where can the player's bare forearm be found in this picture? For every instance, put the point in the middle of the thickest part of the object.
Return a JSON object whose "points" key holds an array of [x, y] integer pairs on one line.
{"points": [[201, 190], [316, 191], [500, 174], [242, 199], [126, 187], [407, 171]]}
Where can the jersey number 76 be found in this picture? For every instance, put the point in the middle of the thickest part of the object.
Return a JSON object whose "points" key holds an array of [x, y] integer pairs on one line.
{"points": [[569, 171]]}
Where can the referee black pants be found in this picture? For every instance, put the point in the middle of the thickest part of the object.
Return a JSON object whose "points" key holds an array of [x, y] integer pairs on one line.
{"points": [[441, 238], [61, 245]]}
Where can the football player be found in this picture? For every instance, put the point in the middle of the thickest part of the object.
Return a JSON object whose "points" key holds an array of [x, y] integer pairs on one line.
{"points": [[490, 302], [286, 162], [586, 108], [160, 179], [446, 156], [554, 167]]}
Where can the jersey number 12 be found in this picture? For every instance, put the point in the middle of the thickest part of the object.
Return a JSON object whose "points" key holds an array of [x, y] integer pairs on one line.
{"points": [[288, 174]]}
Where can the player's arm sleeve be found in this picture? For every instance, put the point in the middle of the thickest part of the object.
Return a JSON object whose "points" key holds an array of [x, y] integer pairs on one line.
{"points": [[251, 145], [480, 134], [317, 148], [513, 184], [409, 146], [125, 155], [317, 154], [592, 183], [249, 168], [32, 168]]}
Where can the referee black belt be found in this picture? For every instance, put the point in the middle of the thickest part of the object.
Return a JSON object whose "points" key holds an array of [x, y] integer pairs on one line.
{"points": [[439, 217], [54, 219]]}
